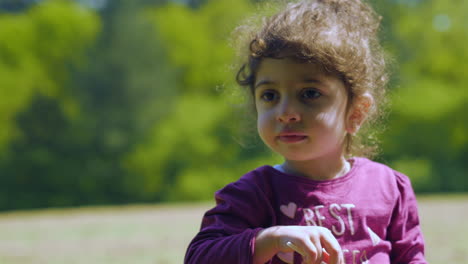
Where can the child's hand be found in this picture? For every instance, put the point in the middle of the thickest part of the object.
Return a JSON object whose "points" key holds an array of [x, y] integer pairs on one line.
{"points": [[309, 241]]}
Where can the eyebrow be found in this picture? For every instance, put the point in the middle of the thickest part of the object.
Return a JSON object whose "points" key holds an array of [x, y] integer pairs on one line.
{"points": [[305, 80], [263, 82]]}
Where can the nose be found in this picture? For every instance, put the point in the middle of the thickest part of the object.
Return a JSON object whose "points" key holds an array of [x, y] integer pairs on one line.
{"points": [[288, 112]]}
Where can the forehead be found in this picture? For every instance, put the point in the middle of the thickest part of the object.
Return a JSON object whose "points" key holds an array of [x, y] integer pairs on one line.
{"points": [[292, 70]]}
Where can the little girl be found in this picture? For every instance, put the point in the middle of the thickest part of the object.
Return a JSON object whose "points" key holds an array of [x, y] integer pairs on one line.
{"points": [[316, 74]]}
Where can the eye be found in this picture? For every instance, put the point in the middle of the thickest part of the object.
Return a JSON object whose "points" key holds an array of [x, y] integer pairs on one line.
{"points": [[310, 94], [268, 96]]}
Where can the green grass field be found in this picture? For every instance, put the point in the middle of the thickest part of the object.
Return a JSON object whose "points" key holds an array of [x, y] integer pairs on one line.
{"points": [[160, 234]]}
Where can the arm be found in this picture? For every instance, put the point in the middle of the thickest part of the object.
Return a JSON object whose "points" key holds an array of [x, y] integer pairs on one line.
{"points": [[404, 231], [228, 230]]}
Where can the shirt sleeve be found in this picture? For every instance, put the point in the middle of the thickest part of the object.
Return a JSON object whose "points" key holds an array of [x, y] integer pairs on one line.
{"points": [[228, 231], [404, 231]]}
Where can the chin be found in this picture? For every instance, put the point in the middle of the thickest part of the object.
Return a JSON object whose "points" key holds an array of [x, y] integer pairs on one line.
{"points": [[294, 156]]}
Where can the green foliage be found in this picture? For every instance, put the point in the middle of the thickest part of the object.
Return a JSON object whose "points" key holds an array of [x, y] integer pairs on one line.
{"points": [[192, 152], [433, 59], [37, 49], [429, 123], [197, 40], [129, 87], [187, 140], [33, 47]]}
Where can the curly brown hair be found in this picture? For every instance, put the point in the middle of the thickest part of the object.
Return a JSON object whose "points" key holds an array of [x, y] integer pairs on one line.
{"points": [[339, 35]]}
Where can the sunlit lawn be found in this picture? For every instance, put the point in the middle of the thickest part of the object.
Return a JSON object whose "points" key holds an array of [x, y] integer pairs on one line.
{"points": [[160, 234]]}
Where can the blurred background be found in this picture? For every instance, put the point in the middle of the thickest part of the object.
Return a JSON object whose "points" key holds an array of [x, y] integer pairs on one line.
{"points": [[132, 102], [117, 102]]}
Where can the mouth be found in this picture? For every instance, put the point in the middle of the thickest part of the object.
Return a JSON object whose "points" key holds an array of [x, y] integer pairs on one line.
{"points": [[291, 137]]}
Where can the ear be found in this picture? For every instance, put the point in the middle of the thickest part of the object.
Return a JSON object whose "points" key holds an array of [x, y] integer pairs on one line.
{"points": [[358, 112]]}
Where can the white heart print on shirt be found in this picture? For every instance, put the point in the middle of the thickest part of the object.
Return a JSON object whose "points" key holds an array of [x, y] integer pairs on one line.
{"points": [[289, 210]]}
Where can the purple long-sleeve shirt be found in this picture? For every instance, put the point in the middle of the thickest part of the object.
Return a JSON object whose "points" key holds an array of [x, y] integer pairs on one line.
{"points": [[371, 211]]}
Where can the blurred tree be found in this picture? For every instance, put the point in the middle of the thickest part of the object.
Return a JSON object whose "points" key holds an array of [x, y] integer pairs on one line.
{"points": [[15, 5], [82, 108], [44, 167], [33, 74], [192, 151], [427, 136], [28, 64], [126, 89]]}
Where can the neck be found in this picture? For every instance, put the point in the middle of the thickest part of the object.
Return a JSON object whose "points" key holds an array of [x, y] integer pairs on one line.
{"points": [[318, 170]]}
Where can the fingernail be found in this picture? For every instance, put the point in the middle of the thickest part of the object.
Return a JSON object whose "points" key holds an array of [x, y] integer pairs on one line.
{"points": [[325, 257]]}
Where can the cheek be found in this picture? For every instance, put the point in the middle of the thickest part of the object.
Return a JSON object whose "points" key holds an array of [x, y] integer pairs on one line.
{"points": [[332, 120], [264, 124], [328, 119], [261, 123]]}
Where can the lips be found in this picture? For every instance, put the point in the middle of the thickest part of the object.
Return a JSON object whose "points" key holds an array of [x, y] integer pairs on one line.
{"points": [[291, 137]]}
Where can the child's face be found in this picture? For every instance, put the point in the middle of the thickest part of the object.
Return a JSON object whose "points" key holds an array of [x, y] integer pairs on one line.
{"points": [[301, 109]]}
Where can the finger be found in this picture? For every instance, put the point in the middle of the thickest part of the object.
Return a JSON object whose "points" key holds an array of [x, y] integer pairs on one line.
{"points": [[305, 256], [295, 248], [298, 250], [332, 247], [325, 257], [306, 249], [317, 253], [313, 250]]}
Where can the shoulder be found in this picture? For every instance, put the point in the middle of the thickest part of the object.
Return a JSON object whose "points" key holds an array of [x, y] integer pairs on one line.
{"points": [[380, 170], [257, 178], [249, 198], [370, 166], [393, 181], [255, 182]]}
